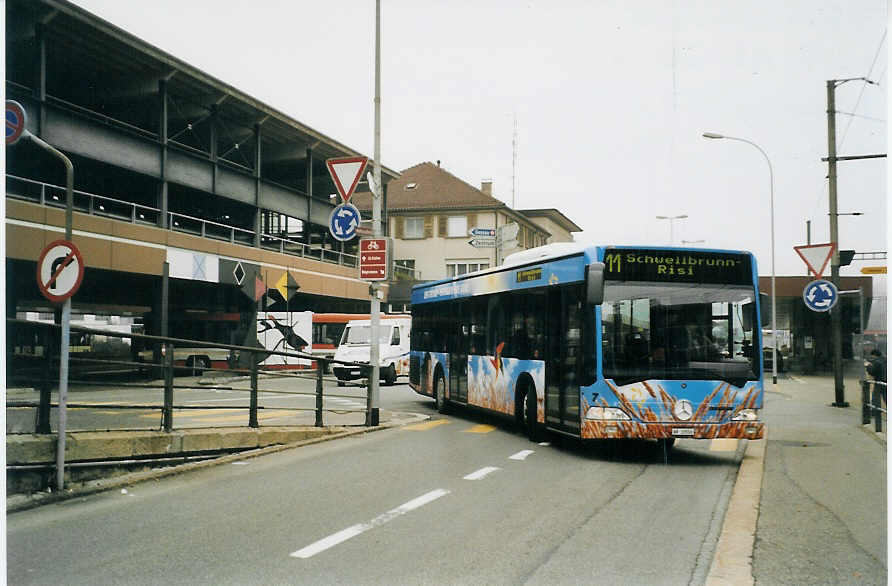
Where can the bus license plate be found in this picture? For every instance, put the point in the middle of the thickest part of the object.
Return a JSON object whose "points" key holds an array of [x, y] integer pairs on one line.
{"points": [[683, 431]]}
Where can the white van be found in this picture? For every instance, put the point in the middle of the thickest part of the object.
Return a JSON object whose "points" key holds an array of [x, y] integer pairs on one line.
{"points": [[393, 349]]}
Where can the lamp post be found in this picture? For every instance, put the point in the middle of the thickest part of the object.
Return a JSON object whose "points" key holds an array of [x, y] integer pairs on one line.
{"points": [[714, 135], [671, 223]]}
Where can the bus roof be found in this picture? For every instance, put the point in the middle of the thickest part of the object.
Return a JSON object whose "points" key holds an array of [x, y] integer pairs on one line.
{"points": [[562, 262]]}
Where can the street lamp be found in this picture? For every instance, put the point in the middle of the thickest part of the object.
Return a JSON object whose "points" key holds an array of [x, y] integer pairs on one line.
{"points": [[671, 222], [714, 135]]}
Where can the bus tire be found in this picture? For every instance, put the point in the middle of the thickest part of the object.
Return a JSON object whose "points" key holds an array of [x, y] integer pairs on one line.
{"points": [[534, 432], [389, 375], [440, 392]]}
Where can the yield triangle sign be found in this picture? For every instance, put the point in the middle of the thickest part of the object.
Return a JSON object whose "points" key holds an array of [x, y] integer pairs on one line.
{"points": [[816, 256], [345, 173]]}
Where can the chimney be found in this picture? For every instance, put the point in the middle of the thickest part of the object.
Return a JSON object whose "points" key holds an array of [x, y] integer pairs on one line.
{"points": [[486, 186]]}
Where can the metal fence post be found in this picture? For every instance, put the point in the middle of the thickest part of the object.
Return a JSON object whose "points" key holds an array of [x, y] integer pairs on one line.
{"points": [[319, 369], [877, 414], [252, 416], [167, 409], [865, 402]]}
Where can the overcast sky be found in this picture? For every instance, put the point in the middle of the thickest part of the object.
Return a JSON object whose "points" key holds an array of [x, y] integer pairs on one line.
{"points": [[610, 100]]}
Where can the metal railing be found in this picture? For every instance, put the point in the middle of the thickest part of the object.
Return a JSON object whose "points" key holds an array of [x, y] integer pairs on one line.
{"points": [[40, 368], [51, 195], [873, 401]]}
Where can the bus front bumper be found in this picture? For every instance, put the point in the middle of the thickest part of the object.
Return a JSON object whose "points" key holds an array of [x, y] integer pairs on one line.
{"points": [[664, 430]]}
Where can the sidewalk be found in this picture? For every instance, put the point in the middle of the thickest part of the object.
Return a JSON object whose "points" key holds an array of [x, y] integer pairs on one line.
{"points": [[823, 504]]}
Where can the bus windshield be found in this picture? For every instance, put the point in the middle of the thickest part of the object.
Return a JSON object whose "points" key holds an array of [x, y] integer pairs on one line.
{"points": [[668, 331]]}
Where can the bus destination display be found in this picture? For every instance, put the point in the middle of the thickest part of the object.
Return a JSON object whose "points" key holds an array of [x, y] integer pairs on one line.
{"points": [[630, 264]]}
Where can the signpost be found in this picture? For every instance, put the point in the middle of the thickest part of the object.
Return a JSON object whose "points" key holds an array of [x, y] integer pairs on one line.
{"points": [[16, 119], [373, 259], [873, 270], [820, 295]]}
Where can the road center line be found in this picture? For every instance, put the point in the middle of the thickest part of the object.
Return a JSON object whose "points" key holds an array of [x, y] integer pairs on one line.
{"points": [[353, 531], [481, 473], [521, 455]]}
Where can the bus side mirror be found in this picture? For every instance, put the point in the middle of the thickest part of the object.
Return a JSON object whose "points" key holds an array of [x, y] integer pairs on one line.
{"points": [[594, 284]]}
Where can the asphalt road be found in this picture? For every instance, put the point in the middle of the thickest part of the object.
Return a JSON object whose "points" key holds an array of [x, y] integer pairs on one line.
{"points": [[460, 499]]}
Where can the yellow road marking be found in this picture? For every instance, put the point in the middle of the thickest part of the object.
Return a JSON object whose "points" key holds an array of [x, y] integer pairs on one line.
{"points": [[482, 428], [244, 416], [724, 444], [427, 424]]}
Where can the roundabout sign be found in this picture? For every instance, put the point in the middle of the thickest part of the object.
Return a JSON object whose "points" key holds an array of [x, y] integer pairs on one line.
{"points": [[820, 295]]}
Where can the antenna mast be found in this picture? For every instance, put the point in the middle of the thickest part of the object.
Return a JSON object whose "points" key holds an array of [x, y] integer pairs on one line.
{"points": [[514, 165]]}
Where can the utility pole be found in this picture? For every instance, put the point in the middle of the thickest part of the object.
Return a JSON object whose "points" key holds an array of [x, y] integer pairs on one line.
{"points": [[372, 416], [836, 313]]}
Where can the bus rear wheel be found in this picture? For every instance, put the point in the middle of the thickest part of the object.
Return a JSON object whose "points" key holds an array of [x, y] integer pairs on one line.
{"points": [[440, 392], [530, 411]]}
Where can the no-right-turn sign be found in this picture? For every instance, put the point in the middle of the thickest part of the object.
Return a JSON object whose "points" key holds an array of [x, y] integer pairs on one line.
{"points": [[60, 270]]}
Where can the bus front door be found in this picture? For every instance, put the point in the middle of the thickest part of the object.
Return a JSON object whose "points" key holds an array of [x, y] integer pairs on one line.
{"points": [[564, 323]]}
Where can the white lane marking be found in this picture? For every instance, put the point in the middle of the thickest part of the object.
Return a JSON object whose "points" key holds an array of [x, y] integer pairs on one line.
{"points": [[349, 532], [521, 455], [481, 473]]}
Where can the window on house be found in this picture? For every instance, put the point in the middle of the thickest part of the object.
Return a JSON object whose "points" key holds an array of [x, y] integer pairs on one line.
{"points": [[413, 228], [462, 267], [457, 226]]}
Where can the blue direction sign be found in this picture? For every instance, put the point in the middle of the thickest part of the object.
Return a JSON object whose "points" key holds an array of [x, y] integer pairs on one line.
{"points": [[343, 221], [482, 232], [820, 295]]}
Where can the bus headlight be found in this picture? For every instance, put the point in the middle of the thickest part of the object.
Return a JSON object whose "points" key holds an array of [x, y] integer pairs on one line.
{"points": [[746, 415], [606, 414]]}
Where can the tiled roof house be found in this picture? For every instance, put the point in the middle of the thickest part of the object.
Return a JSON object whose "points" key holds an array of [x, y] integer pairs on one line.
{"points": [[430, 211]]}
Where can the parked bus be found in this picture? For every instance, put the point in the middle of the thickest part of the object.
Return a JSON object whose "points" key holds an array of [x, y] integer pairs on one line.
{"points": [[598, 342]]}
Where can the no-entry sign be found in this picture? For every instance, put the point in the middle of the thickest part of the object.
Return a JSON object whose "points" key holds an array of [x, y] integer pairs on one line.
{"points": [[60, 270], [373, 259]]}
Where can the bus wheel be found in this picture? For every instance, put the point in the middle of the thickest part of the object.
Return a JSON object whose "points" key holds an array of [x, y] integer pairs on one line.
{"points": [[440, 392], [389, 375], [534, 432]]}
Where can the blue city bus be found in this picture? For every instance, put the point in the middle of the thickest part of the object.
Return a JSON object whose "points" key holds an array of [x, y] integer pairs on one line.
{"points": [[598, 342]]}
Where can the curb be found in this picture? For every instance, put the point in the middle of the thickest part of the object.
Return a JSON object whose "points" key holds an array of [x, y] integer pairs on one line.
{"points": [[18, 503], [732, 563]]}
